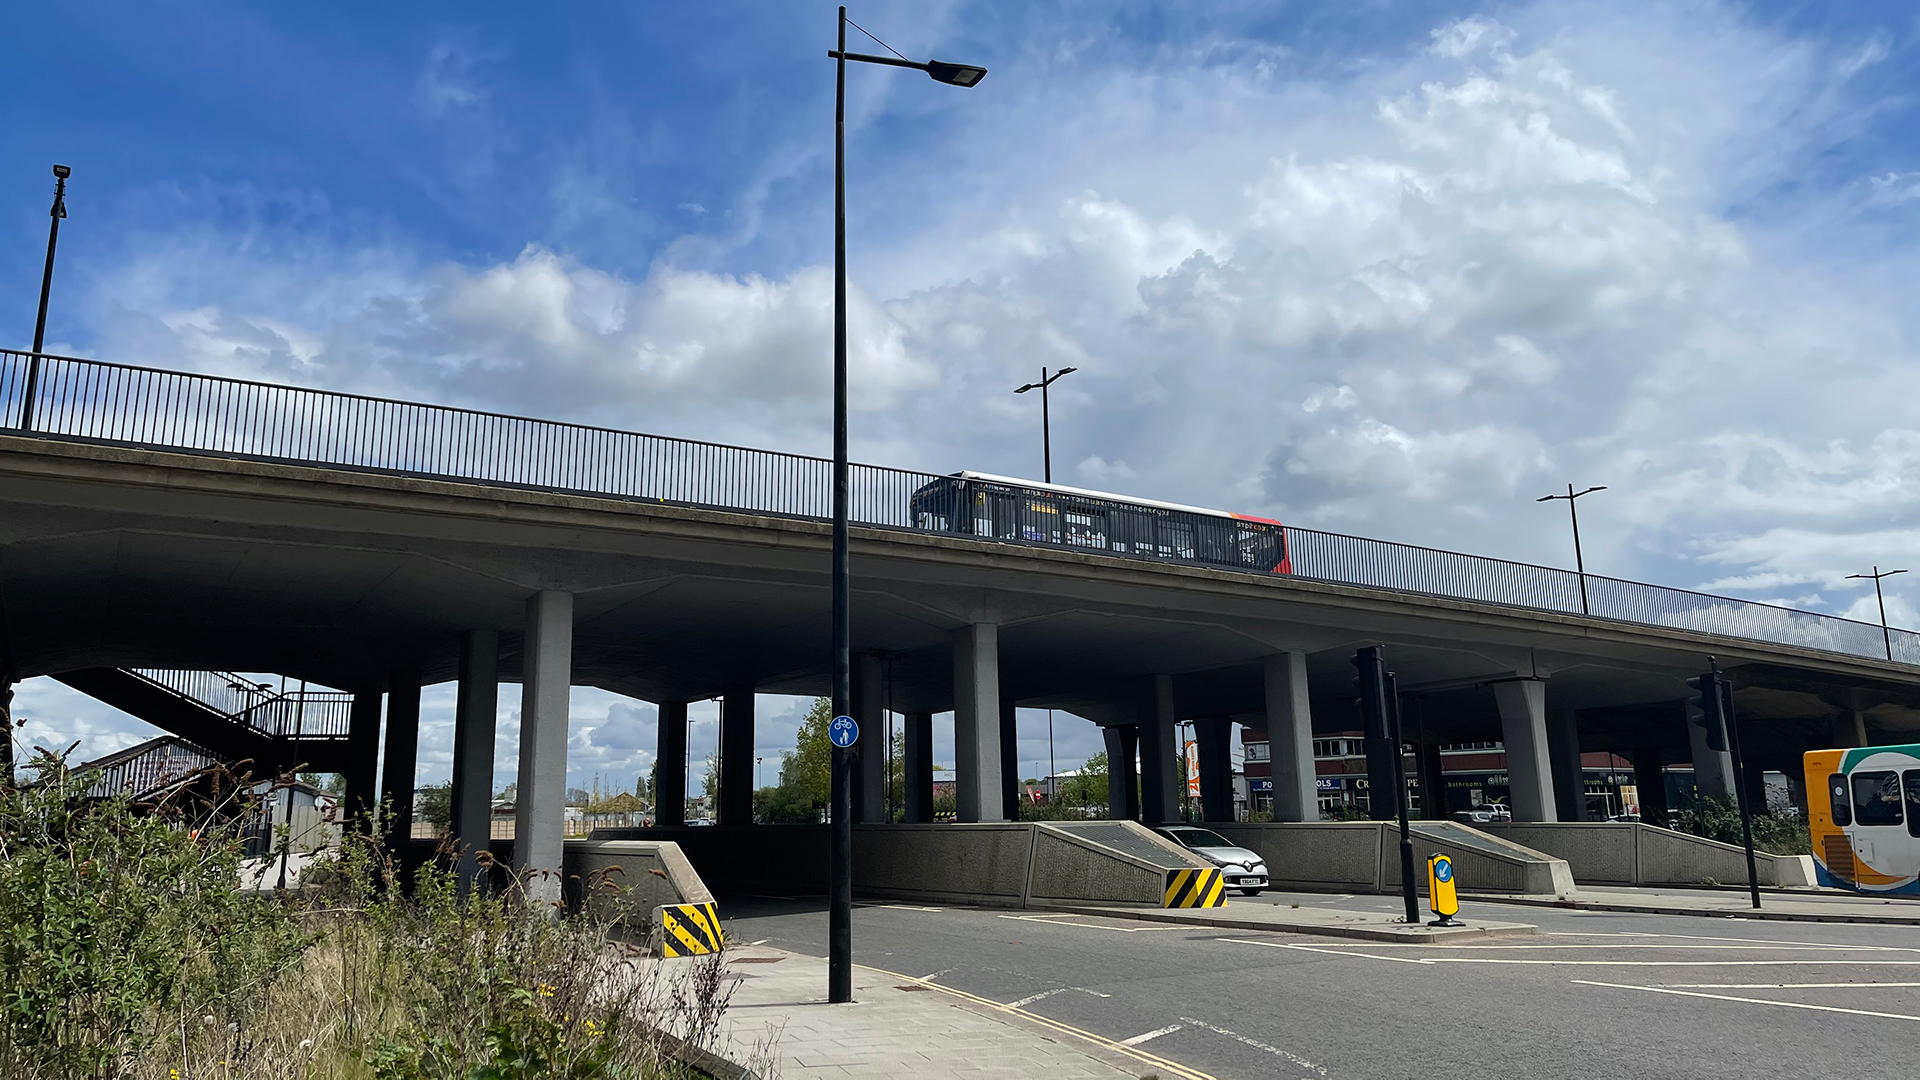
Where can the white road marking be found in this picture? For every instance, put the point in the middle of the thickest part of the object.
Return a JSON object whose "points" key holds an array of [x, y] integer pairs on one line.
{"points": [[1791, 986], [1257, 1045], [1031, 998], [1566, 963], [1751, 1001], [1050, 920], [1754, 941], [903, 907], [937, 974], [1149, 1036]]}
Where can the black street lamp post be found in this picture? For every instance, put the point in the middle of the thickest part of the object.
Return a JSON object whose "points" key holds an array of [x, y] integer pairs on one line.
{"points": [[1579, 562], [59, 211], [840, 847], [1046, 424], [1886, 635]]}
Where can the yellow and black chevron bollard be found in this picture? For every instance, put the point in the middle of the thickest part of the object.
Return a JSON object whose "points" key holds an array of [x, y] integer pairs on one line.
{"points": [[688, 929], [1196, 888]]}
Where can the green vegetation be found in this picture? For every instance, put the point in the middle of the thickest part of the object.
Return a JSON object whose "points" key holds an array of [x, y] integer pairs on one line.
{"points": [[129, 952], [1719, 819]]}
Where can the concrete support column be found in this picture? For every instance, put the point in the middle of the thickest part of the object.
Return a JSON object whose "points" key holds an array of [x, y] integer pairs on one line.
{"points": [[979, 795], [1296, 792], [1712, 769], [1569, 779], [870, 761], [1432, 774], [403, 751], [363, 757], [1215, 738], [918, 767], [1159, 754], [670, 766], [1650, 780], [546, 682], [1523, 723], [1123, 779], [476, 704], [736, 757], [1009, 759]]}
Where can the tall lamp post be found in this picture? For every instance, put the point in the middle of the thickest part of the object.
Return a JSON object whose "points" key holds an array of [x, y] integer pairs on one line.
{"points": [[1579, 562], [59, 212], [1885, 634], [840, 849], [1046, 424]]}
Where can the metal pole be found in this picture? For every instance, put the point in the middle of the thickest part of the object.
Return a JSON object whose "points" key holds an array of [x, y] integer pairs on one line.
{"points": [[1046, 429], [1400, 802], [1579, 561], [1739, 780], [1053, 766], [840, 846], [59, 211], [1886, 635]]}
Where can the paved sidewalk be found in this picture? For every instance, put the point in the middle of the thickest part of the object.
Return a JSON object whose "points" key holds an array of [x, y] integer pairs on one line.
{"points": [[903, 1026], [1791, 906], [1312, 919]]}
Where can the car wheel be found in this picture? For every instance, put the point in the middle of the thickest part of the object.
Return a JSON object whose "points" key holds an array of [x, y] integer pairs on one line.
{"points": [[1250, 892]]}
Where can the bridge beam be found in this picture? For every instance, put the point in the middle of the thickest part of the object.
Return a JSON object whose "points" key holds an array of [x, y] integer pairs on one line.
{"points": [[1159, 778], [540, 813], [736, 757], [401, 757], [476, 704], [1296, 790], [870, 763], [363, 756], [918, 767], [1009, 759], [976, 723], [1123, 776], [1523, 724], [670, 766], [1214, 734], [1569, 779]]}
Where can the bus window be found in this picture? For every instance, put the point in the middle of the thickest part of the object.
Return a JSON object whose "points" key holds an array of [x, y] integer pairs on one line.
{"points": [[1837, 797], [1876, 798], [1912, 778]]}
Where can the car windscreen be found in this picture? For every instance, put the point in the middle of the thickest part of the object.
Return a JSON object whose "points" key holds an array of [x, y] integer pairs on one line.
{"points": [[1200, 838]]}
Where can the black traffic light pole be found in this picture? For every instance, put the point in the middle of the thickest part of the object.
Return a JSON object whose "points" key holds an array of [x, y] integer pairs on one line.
{"points": [[1711, 708], [1400, 803]]}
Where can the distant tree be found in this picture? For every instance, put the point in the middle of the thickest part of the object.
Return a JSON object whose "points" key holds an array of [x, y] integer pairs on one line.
{"points": [[806, 772], [434, 804]]}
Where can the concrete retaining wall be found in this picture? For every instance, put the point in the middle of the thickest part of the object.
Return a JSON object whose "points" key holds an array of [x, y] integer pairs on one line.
{"points": [[657, 872], [1002, 863], [1364, 856], [1635, 853]]}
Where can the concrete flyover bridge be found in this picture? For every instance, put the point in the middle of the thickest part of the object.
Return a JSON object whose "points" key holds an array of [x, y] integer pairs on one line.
{"points": [[156, 520]]}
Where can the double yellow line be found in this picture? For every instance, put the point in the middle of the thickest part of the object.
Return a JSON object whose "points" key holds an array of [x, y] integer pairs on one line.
{"points": [[1166, 1067]]}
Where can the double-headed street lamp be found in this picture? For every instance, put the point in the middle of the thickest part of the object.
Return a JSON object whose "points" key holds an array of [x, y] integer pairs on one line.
{"points": [[59, 212], [1580, 563], [1886, 635], [840, 848], [1046, 425]]}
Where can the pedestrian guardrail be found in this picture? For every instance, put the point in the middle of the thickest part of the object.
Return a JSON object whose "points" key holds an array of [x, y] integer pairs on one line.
{"points": [[96, 401]]}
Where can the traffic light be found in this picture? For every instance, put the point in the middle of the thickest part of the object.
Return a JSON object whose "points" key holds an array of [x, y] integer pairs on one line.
{"points": [[1372, 681], [1707, 708]]}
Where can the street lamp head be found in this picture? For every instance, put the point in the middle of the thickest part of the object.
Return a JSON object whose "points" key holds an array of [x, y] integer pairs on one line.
{"points": [[1067, 370], [1549, 498], [1026, 388], [62, 172], [955, 74]]}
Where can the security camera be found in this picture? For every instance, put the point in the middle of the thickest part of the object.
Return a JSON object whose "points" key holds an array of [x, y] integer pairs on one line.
{"points": [[62, 171]]}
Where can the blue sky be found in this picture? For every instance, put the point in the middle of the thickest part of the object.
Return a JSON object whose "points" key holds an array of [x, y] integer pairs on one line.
{"points": [[1387, 268]]}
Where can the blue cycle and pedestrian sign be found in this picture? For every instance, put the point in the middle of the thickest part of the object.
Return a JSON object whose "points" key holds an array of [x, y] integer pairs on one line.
{"points": [[843, 732]]}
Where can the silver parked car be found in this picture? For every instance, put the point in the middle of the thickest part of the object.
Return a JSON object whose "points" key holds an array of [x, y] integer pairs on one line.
{"points": [[1241, 869]]}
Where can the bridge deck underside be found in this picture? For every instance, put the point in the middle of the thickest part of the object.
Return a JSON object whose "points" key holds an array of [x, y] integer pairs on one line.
{"points": [[122, 558]]}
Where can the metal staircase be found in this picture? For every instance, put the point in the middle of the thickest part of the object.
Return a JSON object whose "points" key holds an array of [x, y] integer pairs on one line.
{"points": [[229, 715]]}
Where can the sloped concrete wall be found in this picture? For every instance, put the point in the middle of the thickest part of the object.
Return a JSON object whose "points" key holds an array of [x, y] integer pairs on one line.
{"points": [[657, 872], [1364, 856], [1119, 861], [1635, 853], [987, 862]]}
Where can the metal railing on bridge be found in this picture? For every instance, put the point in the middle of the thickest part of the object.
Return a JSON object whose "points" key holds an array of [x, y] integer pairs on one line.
{"points": [[294, 714], [96, 401]]}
